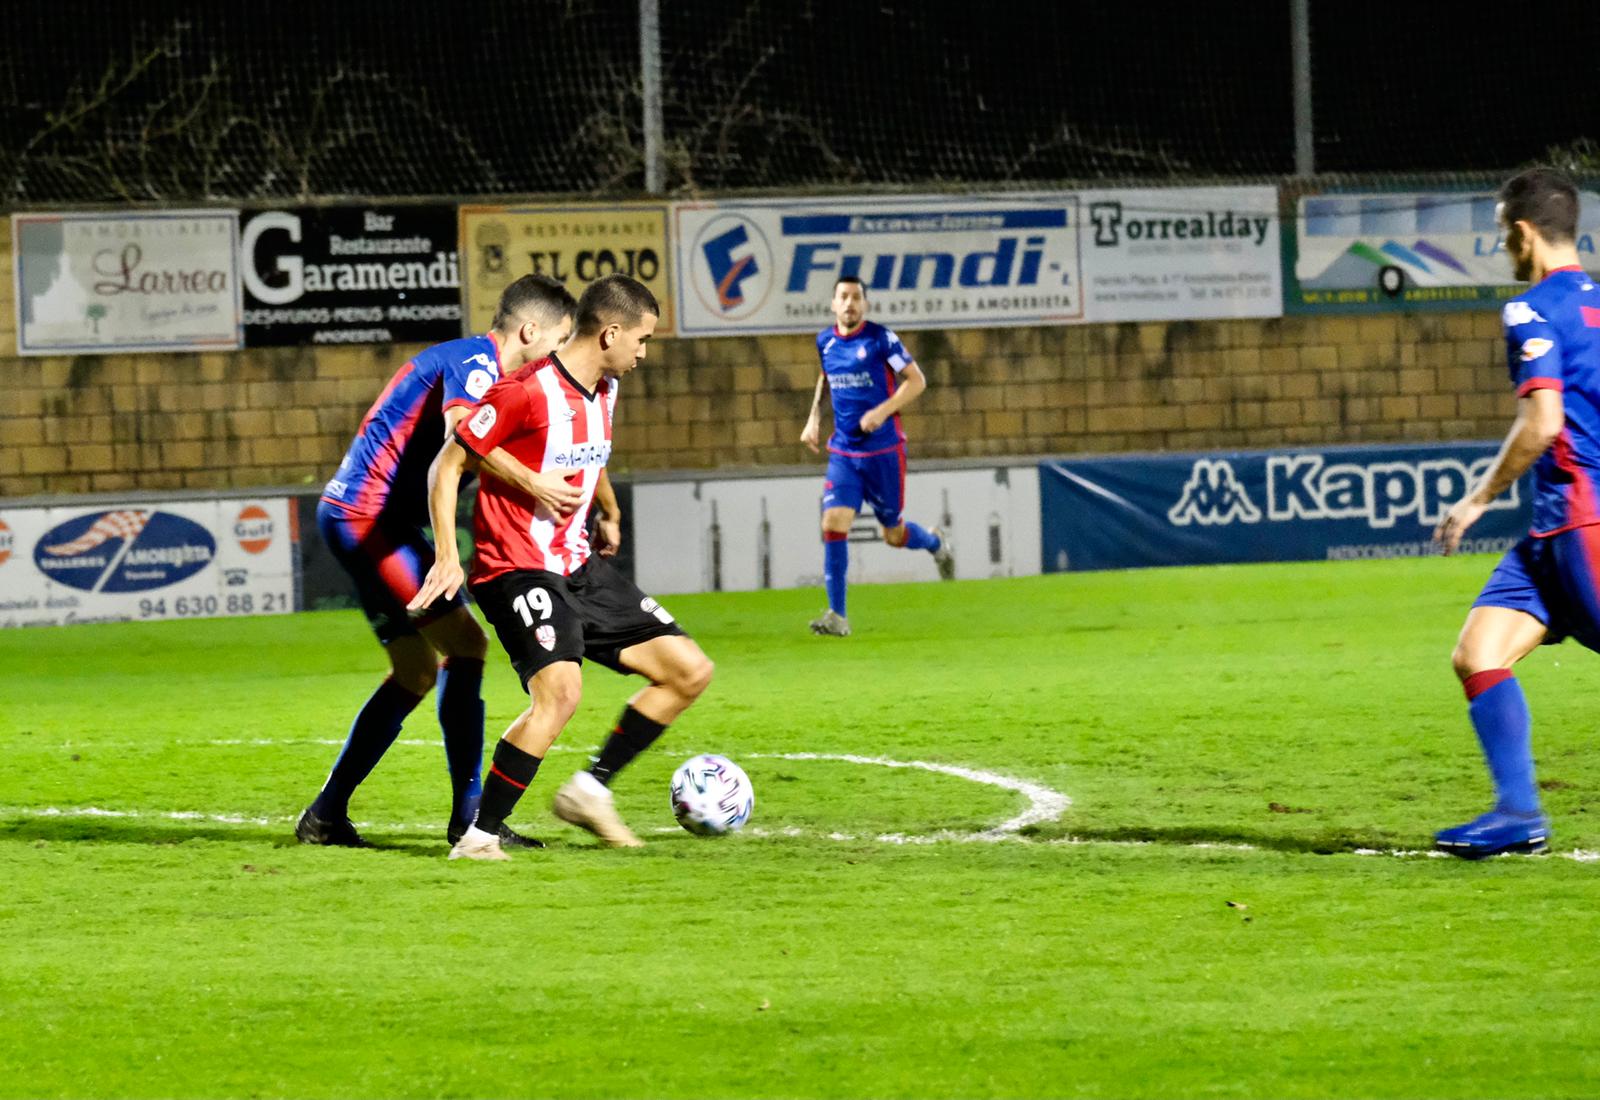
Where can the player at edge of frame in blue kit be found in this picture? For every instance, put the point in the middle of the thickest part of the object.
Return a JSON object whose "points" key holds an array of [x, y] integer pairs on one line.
{"points": [[372, 515], [870, 378], [1547, 587]]}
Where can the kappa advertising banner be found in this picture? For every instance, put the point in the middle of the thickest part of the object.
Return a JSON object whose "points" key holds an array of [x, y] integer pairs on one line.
{"points": [[1367, 252], [1333, 503], [350, 275], [769, 267], [742, 534], [576, 244], [175, 560], [1183, 254], [94, 284]]}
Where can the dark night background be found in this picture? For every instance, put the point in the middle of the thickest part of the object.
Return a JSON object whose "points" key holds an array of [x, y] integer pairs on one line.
{"points": [[171, 101]]}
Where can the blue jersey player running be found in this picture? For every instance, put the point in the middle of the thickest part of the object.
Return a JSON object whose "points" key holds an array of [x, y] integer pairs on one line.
{"points": [[870, 377], [1548, 586], [372, 516]]}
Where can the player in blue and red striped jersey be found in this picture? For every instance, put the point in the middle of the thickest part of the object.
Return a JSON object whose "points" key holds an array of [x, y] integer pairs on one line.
{"points": [[372, 515], [870, 377], [1548, 586]]}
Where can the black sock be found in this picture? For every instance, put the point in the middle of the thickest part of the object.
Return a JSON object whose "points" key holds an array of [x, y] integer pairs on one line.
{"points": [[634, 734], [508, 777]]}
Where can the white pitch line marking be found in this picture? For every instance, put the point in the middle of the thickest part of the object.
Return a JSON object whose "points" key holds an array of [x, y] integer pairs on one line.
{"points": [[1044, 803]]}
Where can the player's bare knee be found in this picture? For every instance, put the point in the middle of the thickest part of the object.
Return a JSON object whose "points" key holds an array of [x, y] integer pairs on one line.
{"points": [[694, 677], [1464, 660], [895, 536], [417, 680], [560, 693]]}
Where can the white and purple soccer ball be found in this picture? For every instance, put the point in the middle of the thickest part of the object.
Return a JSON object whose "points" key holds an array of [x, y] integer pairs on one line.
{"points": [[711, 795]]}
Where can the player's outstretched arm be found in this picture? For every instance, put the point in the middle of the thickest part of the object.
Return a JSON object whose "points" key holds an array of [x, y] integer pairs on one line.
{"points": [[811, 434], [912, 383], [444, 480], [1540, 417], [551, 490], [609, 526]]}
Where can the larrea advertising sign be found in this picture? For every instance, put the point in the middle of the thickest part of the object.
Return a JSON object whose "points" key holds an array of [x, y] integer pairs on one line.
{"points": [[350, 275], [178, 559]]}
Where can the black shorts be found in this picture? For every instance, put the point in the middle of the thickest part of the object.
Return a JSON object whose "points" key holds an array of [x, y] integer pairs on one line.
{"points": [[596, 613]]}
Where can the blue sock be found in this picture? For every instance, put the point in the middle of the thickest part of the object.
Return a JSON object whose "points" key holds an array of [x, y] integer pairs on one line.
{"points": [[835, 563], [371, 734], [1499, 713], [920, 538], [461, 720]]}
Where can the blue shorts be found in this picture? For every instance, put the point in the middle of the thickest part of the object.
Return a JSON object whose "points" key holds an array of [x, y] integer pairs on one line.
{"points": [[879, 480], [1554, 580], [387, 559]]}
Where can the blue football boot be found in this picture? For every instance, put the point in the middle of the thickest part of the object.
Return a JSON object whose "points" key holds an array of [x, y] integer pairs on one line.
{"points": [[1495, 833]]}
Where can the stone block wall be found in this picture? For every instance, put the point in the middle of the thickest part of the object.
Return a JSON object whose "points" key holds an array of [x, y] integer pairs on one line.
{"points": [[284, 416]]}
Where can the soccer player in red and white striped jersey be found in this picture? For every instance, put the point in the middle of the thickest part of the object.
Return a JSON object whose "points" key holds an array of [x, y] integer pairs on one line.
{"points": [[550, 594]]}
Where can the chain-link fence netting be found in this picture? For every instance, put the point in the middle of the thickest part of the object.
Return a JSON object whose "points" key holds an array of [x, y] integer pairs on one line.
{"points": [[177, 100]]}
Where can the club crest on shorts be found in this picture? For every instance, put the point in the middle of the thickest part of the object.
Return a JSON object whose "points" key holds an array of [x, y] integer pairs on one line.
{"points": [[650, 607], [545, 636]]}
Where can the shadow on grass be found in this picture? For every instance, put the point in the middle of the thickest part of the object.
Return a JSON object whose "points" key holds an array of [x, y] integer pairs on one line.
{"points": [[167, 833], [1331, 842]]}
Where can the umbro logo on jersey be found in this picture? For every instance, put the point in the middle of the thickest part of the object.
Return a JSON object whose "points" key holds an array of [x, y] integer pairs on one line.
{"points": [[568, 413], [1519, 313]]}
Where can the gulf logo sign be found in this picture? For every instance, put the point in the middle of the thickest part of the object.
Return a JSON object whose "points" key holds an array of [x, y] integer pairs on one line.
{"points": [[7, 540], [253, 529]]}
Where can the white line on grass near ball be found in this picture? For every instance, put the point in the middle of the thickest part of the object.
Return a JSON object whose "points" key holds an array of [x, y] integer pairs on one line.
{"points": [[1044, 803]]}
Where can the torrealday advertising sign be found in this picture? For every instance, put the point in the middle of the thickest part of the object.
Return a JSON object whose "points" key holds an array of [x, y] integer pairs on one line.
{"points": [[576, 244], [1362, 252], [769, 267], [177, 559], [1317, 503], [1182, 254], [96, 283], [350, 275]]}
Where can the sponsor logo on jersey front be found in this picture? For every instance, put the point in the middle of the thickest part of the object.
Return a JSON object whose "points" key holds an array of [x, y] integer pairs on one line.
{"points": [[583, 454]]}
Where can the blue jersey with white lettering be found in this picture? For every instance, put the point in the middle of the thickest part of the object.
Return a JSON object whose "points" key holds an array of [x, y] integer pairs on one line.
{"points": [[862, 367], [1553, 342], [386, 468]]}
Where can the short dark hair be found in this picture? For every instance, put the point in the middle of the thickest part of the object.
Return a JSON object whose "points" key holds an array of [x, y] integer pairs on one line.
{"points": [[850, 279], [614, 299], [1545, 198], [536, 297]]}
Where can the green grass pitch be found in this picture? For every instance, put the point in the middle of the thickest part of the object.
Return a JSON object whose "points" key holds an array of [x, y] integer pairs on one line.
{"points": [[1200, 921]]}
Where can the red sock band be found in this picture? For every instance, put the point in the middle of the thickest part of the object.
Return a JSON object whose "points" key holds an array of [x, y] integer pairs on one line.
{"points": [[835, 536], [496, 771], [1480, 682]]}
